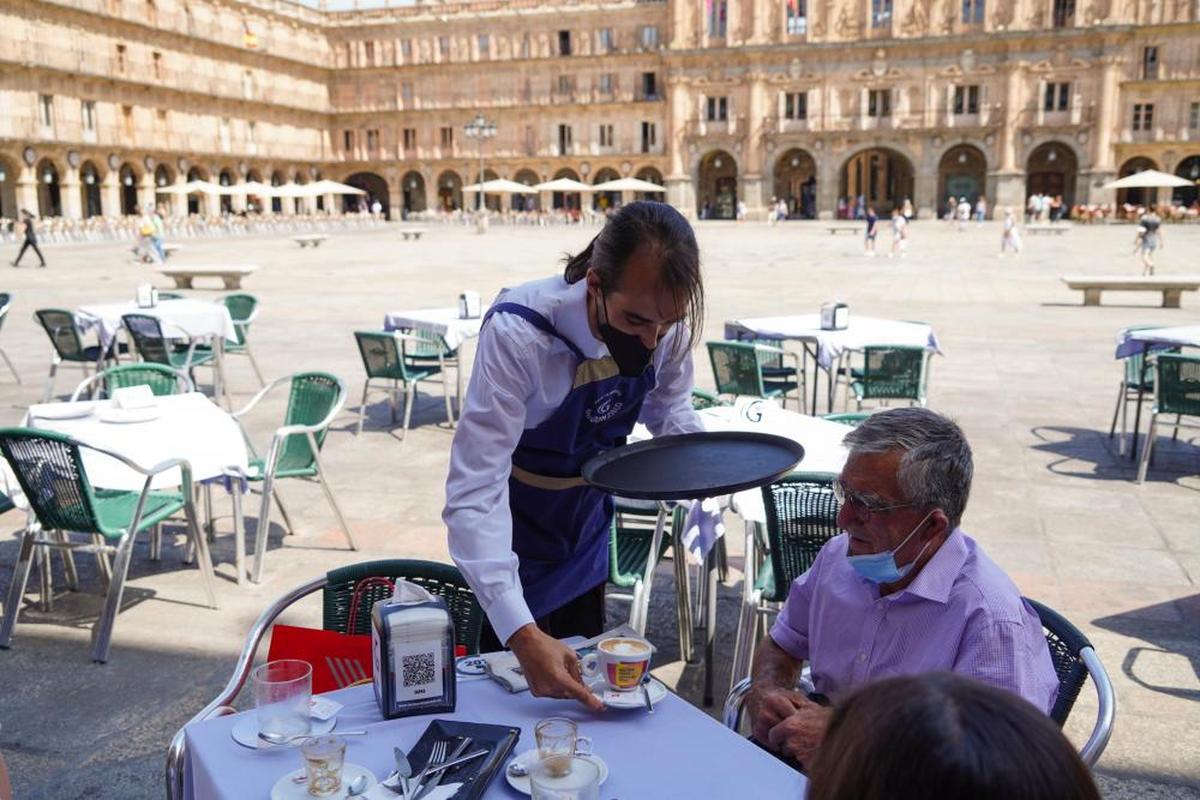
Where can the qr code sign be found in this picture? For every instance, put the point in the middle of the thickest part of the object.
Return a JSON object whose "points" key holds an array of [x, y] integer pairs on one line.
{"points": [[418, 669]]}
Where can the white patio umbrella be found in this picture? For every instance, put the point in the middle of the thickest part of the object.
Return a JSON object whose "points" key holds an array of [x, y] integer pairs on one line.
{"points": [[501, 186], [628, 185], [292, 190], [564, 185], [1148, 179], [334, 187], [194, 187]]}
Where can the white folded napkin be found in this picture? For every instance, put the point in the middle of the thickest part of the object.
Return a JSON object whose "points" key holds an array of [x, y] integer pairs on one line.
{"points": [[443, 792], [133, 397]]}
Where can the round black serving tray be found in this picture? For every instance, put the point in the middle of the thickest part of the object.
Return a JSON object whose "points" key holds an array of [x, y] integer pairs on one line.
{"points": [[691, 466]]}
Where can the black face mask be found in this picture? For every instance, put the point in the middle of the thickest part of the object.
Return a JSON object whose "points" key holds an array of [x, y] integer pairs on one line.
{"points": [[627, 350]]}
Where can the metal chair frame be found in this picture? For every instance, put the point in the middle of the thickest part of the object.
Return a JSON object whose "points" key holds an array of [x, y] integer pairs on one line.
{"points": [[394, 390], [775, 352], [57, 360], [1155, 413], [116, 572], [639, 595], [243, 328], [268, 478], [93, 385], [853, 384], [5, 305], [1135, 381], [1106, 698]]}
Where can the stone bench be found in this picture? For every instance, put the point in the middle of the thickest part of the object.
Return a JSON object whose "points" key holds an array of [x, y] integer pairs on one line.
{"points": [[413, 233], [230, 275], [834, 230], [1057, 230], [307, 239], [1172, 287]]}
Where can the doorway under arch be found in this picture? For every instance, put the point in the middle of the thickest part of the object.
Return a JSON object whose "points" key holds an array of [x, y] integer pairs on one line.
{"points": [[1188, 196], [128, 178], [225, 201], [526, 202], [376, 189], [8, 188], [962, 172], [566, 201], [490, 201], [412, 191], [1051, 170], [197, 202], [449, 189], [603, 201], [796, 183], [881, 176], [89, 190], [49, 189], [1136, 196], [718, 190], [650, 175]]}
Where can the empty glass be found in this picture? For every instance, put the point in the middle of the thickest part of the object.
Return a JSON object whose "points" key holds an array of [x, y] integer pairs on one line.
{"points": [[324, 757], [558, 739], [580, 780], [282, 691]]}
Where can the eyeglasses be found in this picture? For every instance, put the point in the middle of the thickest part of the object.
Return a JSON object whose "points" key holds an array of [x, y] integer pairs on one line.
{"points": [[862, 507]]}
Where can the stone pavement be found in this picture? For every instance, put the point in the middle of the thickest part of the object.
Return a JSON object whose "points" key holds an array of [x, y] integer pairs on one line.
{"points": [[1027, 371]]}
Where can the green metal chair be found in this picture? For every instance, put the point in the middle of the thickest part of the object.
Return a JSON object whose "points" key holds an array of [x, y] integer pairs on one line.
{"points": [[337, 587], [1138, 380], [5, 305], [161, 379], [738, 370], [395, 363], [171, 296], [891, 372], [50, 468], [702, 400], [630, 569], [59, 325], [314, 400], [243, 310], [851, 418], [153, 346], [1176, 391], [801, 517]]}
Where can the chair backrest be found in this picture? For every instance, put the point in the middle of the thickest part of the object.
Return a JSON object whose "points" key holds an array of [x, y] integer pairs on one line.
{"points": [[893, 372], [736, 368], [148, 339], [767, 358], [380, 353], [312, 397], [1178, 389], [1133, 363], [59, 325], [441, 580], [49, 468], [632, 534], [161, 379], [431, 345], [702, 400], [170, 296], [851, 418], [242, 308], [801, 517], [1065, 641], [5, 303]]}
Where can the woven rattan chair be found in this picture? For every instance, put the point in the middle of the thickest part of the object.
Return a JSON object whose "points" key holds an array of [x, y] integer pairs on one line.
{"points": [[243, 309], [1176, 391], [50, 469], [395, 363], [801, 518], [337, 588], [891, 372], [740, 370], [161, 379], [5, 305], [59, 325], [314, 400]]}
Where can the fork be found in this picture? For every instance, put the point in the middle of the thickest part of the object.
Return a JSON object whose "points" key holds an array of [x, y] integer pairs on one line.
{"points": [[437, 754]]}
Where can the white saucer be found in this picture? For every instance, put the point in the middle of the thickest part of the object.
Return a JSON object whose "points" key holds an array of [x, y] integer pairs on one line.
{"points": [[125, 416], [287, 789], [628, 701], [63, 410], [522, 784], [245, 732]]}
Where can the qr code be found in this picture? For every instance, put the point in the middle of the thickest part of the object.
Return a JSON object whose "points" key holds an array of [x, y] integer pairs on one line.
{"points": [[417, 669]]}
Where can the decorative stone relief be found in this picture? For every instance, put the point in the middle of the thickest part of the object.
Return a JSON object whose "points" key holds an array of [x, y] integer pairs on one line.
{"points": [[879, 63], [916, 21]]}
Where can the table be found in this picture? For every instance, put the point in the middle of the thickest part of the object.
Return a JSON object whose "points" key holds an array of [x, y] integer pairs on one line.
{"points": [[1146, 340], [445, 322], [677, 752], [828, 347]]}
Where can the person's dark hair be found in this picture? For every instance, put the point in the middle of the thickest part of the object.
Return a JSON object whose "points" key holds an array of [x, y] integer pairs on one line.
{"points": [[946, 736], [662, 229]]}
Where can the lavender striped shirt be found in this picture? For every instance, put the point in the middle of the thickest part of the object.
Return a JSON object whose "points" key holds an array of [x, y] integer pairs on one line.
{"points": [[961, 614]]}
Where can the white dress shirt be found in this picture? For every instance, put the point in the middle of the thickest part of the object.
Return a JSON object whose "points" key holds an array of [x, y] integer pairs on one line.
{"points": [[521, 376]]}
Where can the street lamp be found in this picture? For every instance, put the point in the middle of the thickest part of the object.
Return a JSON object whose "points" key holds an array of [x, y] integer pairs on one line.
{"points": [[480, 129]]}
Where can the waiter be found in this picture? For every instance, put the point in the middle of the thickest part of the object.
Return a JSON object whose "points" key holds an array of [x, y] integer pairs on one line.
{"points": [[565, 367]]}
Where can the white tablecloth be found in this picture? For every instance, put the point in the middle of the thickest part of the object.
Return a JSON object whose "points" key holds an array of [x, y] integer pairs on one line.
{"points": [[189, 426], [859, 333], [442, 321], [1131, 342], [190, 319], [676, 752]]}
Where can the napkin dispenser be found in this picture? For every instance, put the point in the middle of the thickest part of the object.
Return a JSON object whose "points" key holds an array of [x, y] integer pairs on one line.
{"points": [[468, 305], [834, 316], [412, 645], [146, 296]]}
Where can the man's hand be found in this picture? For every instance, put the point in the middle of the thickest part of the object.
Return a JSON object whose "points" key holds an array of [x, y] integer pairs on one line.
{"points": [[551, 667], [801, 734], [770, 706]]}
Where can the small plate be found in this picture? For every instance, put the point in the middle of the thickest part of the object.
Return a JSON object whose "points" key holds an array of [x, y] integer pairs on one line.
{"points": [[627, 701], [287, 789], [522, 784], [63, 410], [126, 416], [245, 732]]}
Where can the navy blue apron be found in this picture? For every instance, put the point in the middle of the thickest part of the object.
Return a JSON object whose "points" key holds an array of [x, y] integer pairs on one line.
{"points": [[560, 524]]}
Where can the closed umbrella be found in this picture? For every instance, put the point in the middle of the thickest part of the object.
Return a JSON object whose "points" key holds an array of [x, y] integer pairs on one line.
{"points": [[1148, 179], [628, 185]]}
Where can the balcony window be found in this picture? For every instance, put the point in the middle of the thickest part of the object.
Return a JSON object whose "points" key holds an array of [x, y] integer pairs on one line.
{"points": [[444, 46], [564, 43], [605, 43], [973, 12], [1143, 116], [565, 84], [717, 109], [564, 139], [251, 132], [121, 58], [718, 14], [879, 103], [1058, 97], [966, 100], [484, 42], [526, 46], [223, 133], [649, 37], [88, 112], [373, 140], [795, 105], [881, 13], [447, 138], [369, 54], [46, 109], [410, 139], [1064, 13], [1149, 63], [406, 92], [1194, 117], [406, 50], [347, 141], [649, 86], [604, 83], [649, 136], [797, 17], [156, 60], [606, 136]]}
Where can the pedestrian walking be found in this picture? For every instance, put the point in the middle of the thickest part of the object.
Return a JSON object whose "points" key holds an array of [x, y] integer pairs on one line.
{"points": [[899, 234], [872, 230], [156, 217], [1011, 237], [963, 212], [1149, 238], [907, 210], [30, 239], [741, 210], [981, 209]]}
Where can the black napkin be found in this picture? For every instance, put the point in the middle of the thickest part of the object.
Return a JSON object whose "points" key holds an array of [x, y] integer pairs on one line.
{"points": [[475, 775]]}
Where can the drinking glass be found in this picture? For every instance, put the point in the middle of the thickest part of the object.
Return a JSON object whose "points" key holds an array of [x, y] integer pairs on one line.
{"points": [[558, 739], [580, 780], [324, 757], [282, 691]]}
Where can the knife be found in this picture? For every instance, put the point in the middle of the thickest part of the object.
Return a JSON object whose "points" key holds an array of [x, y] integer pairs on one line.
{"points": [[403, 767], [434, 780]]}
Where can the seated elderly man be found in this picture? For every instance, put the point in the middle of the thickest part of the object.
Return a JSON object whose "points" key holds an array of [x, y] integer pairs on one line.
{"points": [[901, 591]]}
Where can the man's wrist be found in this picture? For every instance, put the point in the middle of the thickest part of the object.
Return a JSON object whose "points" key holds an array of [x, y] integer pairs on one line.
{"points": [[522, 636]]}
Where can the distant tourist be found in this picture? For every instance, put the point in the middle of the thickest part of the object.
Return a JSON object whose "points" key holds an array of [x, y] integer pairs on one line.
{"points": [[376, 208], [907, 210], [951, 207], [1011, 237], [981, 209], [860, 207], [741, 210], [963, 213], [841, 208], [1056, 208], [1148, 239], [781, 210], [30, 238], [899, 234], [1033, 207], [872, 230]]}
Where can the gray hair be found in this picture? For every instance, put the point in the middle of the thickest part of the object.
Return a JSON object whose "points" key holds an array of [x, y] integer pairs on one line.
{"points": [[936, 465]]}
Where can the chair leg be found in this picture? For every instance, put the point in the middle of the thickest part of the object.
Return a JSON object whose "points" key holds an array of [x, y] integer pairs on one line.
{"points": [[1112, 429], [394, 400], [239, 535], [203, 555], [410, 398], [45, 579], [362, 408], [683, 602], [254, 365], [49, 393], [16, 588], [337, 510], [449, 404], [102, 633], [210, 527], [1147, 447], [743, 648], [260, 535], [1175, 433], [103, 562], [11, 368], [283, 512], [68, 559], [156, 543]]}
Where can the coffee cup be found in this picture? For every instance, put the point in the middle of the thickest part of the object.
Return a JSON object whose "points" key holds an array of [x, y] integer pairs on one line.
{"points": [[622, 661]]}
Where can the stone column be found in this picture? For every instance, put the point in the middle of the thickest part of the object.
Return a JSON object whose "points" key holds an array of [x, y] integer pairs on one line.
{"points": [[395, 196], [110, 194], [72, 202], [828, 183], [237, 202], [26, 191], [1103, 166], [1009, 178], [146, 195], [752, 162]]}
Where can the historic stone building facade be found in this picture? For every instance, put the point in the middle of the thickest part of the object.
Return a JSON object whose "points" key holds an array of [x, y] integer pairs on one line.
{"points": [[104, 101]]}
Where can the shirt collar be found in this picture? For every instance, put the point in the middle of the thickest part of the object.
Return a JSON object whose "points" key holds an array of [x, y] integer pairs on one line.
{"points": [[937, 577], [571, 320]]}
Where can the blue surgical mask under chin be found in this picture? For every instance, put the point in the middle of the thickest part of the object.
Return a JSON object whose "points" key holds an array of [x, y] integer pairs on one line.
{"points": [[882, 567]]}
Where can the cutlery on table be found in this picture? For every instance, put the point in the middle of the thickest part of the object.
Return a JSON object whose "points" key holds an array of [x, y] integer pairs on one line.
{"points": [[437, 755], [403, 768], [646, 697], [282, 738], [435, 780]]}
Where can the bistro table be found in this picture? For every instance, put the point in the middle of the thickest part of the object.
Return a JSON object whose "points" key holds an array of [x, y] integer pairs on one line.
{"points": [[828, 347], [676, 752], [188, 426], [191, 319], [1145, 341], [443, 321]]}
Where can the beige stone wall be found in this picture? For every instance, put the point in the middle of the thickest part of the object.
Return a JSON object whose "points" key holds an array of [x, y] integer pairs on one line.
{"points": [[272, 87]]}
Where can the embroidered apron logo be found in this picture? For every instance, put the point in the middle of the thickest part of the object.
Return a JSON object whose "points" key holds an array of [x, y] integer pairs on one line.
{"points": [[605, 408]]}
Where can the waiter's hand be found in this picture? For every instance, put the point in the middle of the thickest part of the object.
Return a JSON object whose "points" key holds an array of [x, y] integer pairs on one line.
{"points": [[551, 667]]}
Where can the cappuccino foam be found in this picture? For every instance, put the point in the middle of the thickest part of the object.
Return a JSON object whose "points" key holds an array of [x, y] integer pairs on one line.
{"points": [[625, 647]]}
